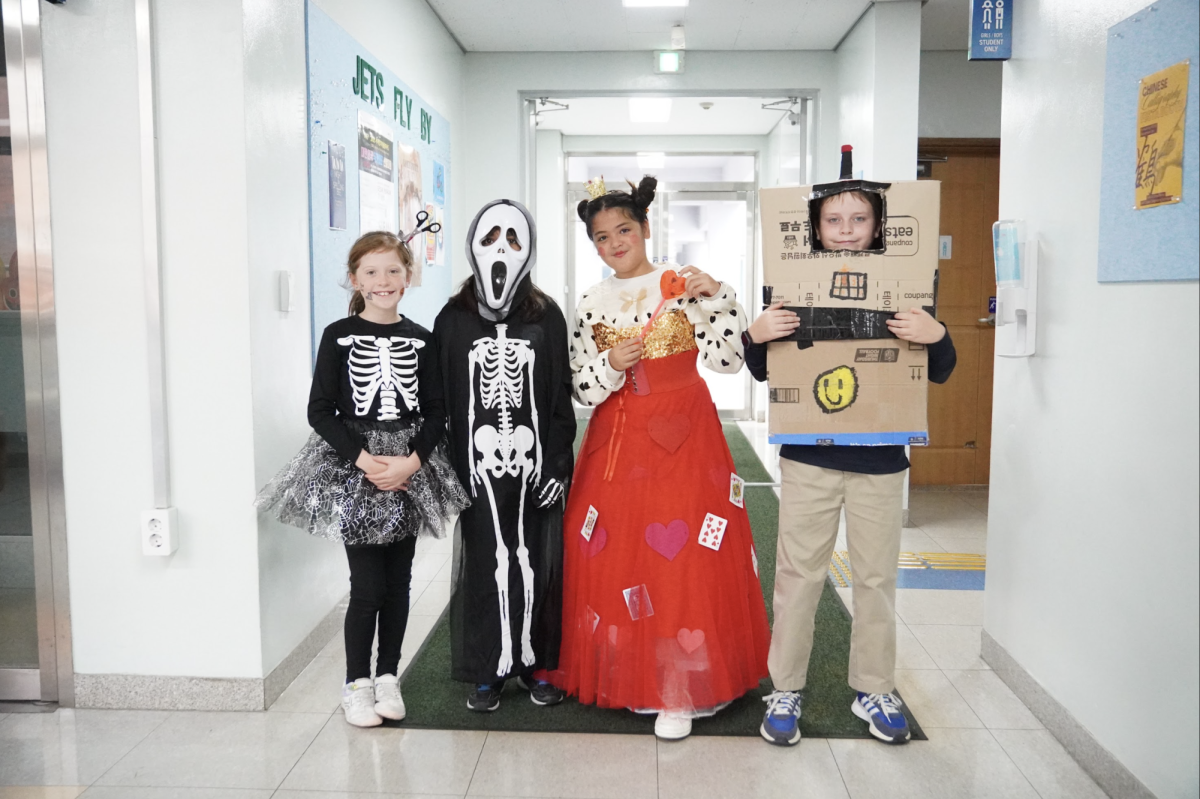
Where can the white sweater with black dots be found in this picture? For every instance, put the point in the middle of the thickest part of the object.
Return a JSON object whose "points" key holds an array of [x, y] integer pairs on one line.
{"points": [[718, 321]]}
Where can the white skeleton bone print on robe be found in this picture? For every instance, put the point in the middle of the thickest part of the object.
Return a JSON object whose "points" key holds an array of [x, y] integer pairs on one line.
{"points": [[500, 369], [503, 348]]}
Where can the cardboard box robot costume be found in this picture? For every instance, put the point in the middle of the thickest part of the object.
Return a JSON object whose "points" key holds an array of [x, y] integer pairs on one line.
{"points": [[842, 377]]}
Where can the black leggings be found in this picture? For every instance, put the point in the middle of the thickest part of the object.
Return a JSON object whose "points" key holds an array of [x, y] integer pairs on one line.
{"points": [[380, 577]]}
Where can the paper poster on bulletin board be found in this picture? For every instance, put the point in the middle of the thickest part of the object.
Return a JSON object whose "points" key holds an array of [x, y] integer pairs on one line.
{"points": [[1149, 208], [1162, 105], [378, 155]]}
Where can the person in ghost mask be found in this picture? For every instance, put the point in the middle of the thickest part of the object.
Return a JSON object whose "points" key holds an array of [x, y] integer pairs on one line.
{"points": [[504, 355]]}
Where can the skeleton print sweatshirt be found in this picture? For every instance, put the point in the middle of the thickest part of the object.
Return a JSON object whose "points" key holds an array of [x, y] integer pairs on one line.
{"points": [[375, 374]]}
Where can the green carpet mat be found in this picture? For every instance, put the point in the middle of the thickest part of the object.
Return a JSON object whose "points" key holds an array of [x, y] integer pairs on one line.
{"points": [[434, 701]]}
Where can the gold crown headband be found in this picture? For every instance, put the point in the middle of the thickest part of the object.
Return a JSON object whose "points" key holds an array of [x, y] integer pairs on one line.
{"points": [[596, 188]]}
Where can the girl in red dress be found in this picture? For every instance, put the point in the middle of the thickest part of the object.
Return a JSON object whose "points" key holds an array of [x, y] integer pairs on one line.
{"points": [[662, 607]]}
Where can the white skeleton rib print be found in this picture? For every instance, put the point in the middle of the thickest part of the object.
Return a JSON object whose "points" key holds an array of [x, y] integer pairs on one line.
{"points": [[386, 367], [504, 453]]}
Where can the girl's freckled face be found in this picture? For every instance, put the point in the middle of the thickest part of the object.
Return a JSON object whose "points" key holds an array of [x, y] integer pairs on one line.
{"points": [[620, 242], [381, 278]]}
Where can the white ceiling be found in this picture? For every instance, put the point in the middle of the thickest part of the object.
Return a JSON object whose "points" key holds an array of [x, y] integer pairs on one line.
{"points": [[609, 116], [572, 25], [581, 25]]}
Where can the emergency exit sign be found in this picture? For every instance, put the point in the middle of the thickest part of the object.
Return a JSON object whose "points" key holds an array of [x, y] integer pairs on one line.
{"points": [[991, 30]]}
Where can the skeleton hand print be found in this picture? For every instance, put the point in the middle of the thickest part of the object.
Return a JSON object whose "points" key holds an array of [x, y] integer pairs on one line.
{"points": [[551, 491], [386, 367]]}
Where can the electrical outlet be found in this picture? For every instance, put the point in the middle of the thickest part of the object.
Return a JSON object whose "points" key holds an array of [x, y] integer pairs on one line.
{"points": [[160, 531]]}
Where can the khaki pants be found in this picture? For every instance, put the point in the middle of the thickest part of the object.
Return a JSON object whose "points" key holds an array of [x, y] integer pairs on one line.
{"points": [[809, 511]]}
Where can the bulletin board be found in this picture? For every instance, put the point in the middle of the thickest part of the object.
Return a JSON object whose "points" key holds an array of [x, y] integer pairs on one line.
{"points": [[378, 154], [1154, 241]]}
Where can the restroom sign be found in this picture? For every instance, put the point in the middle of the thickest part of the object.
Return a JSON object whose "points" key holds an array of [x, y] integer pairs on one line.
{"points": [[991, 30]]}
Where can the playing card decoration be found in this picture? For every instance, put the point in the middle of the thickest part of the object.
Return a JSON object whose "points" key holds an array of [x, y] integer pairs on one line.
{"points": [[736, 488], [713, 531], [637, 599], [589, 523]]}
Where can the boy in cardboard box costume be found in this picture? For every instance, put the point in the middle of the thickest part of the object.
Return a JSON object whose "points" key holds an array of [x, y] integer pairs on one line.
{"points": [[846, 219]]}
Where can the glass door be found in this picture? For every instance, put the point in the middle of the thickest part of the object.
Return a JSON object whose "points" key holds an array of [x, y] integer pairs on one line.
{"points": [[713, 231], [700, 225]]}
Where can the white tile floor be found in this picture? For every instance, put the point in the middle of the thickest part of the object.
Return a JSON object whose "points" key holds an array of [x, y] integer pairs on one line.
{"points": [[983, 742]]}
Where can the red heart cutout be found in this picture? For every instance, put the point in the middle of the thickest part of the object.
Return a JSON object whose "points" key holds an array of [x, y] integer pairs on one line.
{"points": [[668, 540], [599, 539], [669, 432], [690, 640], [671, 284]]}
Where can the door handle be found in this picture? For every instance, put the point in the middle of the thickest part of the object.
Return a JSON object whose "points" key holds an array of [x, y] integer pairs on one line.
{"points": [[989, 320]]}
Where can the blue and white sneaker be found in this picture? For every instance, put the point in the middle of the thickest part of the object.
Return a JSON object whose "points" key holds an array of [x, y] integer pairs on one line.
{"points": [[882, 712], [781, 724]]}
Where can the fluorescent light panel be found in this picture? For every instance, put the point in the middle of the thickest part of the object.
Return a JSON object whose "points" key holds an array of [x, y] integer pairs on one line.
{"points": [[651, 160], [649, 109], [654, 3]]}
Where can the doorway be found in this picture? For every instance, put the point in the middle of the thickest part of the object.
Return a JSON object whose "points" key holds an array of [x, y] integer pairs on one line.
{"points": [[960, 411], [35, 641], [703, 215]]}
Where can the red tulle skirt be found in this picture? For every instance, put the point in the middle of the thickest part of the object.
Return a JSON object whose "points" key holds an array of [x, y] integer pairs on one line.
{"points": [[653, 618]]}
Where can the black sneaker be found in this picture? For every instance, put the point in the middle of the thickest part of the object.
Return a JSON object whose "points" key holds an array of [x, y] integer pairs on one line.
{"points": [[485, 698], [542, 693]]}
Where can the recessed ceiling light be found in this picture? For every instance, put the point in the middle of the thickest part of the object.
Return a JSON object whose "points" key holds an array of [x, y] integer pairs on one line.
{"points": [[651, 160], [649, 109], [654, 3]]}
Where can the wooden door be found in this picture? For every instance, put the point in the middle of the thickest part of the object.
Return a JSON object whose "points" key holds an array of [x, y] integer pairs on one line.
{"points": [[960, 411]]}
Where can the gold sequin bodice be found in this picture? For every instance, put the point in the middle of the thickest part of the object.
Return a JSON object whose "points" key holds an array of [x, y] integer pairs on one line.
{"points": [[672, 334]]}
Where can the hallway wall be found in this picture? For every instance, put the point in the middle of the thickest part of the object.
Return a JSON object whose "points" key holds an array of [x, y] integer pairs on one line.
{"points": [[879, 70], [242, 592], [959, 99], [195, 613], [1092, 539]]}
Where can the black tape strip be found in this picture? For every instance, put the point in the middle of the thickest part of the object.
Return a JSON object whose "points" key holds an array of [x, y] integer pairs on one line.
{"points": [[842, 324], [837, 324]]}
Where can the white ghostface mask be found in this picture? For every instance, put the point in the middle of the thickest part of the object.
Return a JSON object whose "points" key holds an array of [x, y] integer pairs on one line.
{"points": [[502, 253]]}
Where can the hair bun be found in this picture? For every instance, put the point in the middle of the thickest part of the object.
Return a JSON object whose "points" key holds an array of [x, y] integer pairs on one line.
{"points": [[581, 209], [643, 195]]}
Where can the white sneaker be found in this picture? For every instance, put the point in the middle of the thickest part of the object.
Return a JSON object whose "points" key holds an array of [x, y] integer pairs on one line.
{"points": [[358, 703], [670, 727], [388, 702]]}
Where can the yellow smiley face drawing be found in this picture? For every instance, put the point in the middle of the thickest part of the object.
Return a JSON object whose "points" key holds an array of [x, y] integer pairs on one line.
{"points": [[836, 389]]}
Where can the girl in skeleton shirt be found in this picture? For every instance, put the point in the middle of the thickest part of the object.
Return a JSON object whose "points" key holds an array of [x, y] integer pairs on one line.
{"points": [[374, 474], [662, 608]]}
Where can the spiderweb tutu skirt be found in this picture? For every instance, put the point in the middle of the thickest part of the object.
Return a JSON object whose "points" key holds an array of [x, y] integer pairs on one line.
{"points": [[329, 496]]}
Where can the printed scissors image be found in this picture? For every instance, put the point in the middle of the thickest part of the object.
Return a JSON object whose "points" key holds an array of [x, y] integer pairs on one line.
{"points": [[421, 227]]}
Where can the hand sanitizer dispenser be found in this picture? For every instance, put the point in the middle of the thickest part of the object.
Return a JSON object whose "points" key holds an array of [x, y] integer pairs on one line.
{"points": [[1015, 251]]}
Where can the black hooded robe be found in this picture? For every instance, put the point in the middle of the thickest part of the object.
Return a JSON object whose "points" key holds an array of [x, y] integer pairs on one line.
{"points": [[475, 620]]}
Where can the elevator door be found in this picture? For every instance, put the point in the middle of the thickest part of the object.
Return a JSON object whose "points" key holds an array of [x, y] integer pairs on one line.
{"points": [[18, 607], [35, 642]]}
